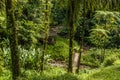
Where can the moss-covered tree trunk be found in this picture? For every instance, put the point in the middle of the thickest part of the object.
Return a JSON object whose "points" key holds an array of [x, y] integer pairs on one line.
{"points": [[71, 34], [46, 23], [12, 30]]}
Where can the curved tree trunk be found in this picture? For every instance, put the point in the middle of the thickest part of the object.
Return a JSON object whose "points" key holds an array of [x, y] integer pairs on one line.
{"points": [[13, 39]]}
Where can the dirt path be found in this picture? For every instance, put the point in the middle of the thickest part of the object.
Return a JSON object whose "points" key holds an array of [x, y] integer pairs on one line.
{"points": [[63, 64]]}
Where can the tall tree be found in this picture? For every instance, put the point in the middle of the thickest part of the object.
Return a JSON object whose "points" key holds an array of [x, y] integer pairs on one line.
{"points": [[71, 34], [12, 30], [46, 25], [73, 11], [82, 35]]}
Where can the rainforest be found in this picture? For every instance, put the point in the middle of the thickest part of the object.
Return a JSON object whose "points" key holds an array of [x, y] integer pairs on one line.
{"points": [[59, 39]]}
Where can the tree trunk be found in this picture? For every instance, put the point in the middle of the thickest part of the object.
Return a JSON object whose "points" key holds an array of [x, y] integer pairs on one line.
{"points": [[13, 39], [46, 33], [82, 38], [71, 34]]}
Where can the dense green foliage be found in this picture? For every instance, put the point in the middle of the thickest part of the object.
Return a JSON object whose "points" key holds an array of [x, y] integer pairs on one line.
{"points": [[94, 28], [109, 73], [107, 29], [1, 62], [59, 51], [92, 57], [30, 22]]}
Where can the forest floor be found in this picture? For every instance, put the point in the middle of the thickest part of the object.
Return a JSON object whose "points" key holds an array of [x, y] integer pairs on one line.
{"points": [[63, 64]]}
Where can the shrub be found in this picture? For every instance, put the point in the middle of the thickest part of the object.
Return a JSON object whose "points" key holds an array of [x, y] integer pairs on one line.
{"points": [[117, 62], [29, 58], [108, 73], [7, 57], [111, 60], [60, 50], [109, 21], [49, 74], [1, 62], [6, 75], [92, 57]]}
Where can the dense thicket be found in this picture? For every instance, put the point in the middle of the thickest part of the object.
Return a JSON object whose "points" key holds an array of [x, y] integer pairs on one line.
{"points": [[29, 14], [43, 34]]}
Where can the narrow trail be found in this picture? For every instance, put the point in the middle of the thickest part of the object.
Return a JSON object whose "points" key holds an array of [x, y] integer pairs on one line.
{"points": [[63, 64]]}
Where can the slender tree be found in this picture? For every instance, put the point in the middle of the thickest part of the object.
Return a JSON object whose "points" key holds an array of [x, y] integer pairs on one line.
{"points": [[46, 24], [73, 11], [82, 37], [12, 29], [71, 34]]}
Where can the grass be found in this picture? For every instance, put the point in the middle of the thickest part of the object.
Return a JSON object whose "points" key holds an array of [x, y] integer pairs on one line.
{"points": [[104, 73], [5, 75], [92, 57], [49, 74], [108, 73], [60, 51]]}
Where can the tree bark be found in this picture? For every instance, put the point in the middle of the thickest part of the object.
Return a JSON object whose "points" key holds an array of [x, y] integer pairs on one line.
{"points": [[12, 30], [82, 38], [71, 34]]}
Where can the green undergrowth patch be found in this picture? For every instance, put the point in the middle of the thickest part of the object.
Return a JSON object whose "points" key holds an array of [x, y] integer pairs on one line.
{"points": [[60, 50], [103, 73], [108, 73], [50, 74], [5, 75], [92, 57]]}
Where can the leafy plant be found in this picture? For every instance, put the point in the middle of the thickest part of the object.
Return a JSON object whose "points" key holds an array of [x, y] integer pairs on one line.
{"points": [[99, 37], [92, 57], [111, 60], [108, 73], [29, 58], [110, 23], [59, 51], [1, 62]]}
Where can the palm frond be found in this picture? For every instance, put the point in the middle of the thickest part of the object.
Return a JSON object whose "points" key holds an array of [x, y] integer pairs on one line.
{"points": [[101, 31]]}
